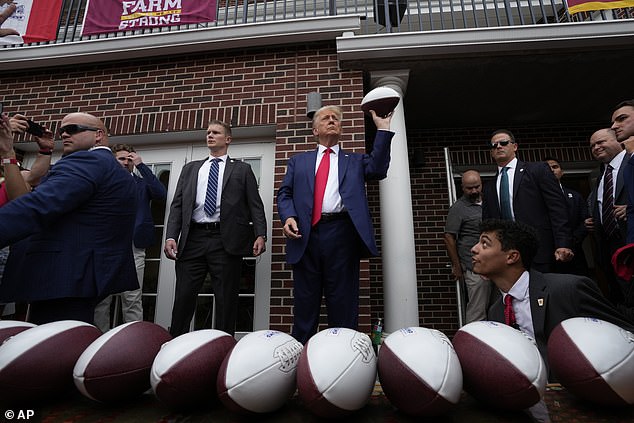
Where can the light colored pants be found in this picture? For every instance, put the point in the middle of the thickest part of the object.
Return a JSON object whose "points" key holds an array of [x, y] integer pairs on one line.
{"points": [[131, 301], [478, 290]]}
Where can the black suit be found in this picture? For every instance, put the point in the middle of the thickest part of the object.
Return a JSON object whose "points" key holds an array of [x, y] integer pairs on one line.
{"points": [[217, 251], [577, 214], [555, 298], [607, 245], [538, 202]]}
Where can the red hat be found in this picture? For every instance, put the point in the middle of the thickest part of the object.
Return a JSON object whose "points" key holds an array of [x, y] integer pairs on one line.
{"points": [[623, 262]]}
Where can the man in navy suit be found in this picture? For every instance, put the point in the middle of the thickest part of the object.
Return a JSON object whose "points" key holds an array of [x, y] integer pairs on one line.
{"points": [[148, 188], [577, 214], [211, 227], [325, 244], [79, 224], [533, 197], [606, 149]]}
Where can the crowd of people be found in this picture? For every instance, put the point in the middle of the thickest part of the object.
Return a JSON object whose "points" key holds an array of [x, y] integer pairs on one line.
{"points": [[86, 221], [529, 231]]}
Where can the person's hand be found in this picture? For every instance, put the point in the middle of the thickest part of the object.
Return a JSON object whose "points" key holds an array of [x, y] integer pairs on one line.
{"points": [[46, 141], [19, 123], [620, 212], [170, 249], [291, 231], [381, 122], [8, 11], [456, 272], [589, 224], [259, 246], [136, 159], [6, 137], [564, 254]]}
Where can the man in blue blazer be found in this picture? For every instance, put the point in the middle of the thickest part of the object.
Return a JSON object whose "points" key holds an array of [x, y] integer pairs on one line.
{"points": [[79, 224], [325, 244], [148, 188], [577, 214]]}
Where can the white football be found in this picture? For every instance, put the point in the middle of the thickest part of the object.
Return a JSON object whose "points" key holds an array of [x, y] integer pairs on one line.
{"points": [[419, 371], [8, 328], [185, 370], [337, 372], [501, 366], [383, 100], [37, 363], [594, 360], [258, 375]]}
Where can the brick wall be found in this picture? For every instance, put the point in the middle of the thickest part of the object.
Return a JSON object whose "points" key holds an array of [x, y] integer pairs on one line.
{"points": [[246, 88]]}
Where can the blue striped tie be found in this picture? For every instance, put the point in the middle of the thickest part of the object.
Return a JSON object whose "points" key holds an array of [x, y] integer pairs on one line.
{"points": [[212, 188]]}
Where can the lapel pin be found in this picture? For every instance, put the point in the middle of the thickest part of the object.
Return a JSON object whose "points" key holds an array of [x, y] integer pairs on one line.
{"points": [[540, 302], [522, 170]]}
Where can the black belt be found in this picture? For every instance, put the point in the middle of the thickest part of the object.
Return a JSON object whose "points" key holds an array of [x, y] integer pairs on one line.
{"points": [[328, 217], [209, 226]]}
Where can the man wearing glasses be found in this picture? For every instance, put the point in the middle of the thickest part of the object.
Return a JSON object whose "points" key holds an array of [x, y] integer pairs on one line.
{"points": [[77, 228], [528, 193]]}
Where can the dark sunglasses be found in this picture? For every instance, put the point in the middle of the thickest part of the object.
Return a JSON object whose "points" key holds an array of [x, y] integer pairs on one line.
{"points": [[73, 129], [503, 143]]}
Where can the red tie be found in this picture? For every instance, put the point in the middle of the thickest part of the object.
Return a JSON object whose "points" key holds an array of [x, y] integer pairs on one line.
{"points": [[509, 314], [321, 177]]}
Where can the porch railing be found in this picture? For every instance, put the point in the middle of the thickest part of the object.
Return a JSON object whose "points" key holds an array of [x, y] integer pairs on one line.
{"points": [[378, 16]]}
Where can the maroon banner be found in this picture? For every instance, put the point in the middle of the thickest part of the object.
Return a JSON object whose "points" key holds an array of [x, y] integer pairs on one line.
{"points": [[103, 16]]}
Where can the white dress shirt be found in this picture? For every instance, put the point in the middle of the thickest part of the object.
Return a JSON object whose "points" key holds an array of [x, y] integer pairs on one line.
{"points": [[522, 304], [199, 214], [616, 164], [332, 200]]}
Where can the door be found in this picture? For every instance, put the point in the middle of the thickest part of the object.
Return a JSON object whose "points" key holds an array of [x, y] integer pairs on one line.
{"points": [[160, 276]]}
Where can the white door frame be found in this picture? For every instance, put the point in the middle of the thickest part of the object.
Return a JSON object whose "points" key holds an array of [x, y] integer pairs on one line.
{"points": [[178, 156]]}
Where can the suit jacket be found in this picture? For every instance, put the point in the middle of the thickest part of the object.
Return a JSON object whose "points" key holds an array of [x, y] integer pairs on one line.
{"points": [[242, 216], [577, 214], [537, 201], [295, 195], [148, 188], [557, 297], [79, 221], [607, 246]]}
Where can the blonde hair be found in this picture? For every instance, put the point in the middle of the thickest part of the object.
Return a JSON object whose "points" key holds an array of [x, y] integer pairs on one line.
{"points": [[335, 109]]}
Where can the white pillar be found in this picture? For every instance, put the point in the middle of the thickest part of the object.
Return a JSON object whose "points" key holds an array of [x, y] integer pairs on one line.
{"points": [[400, 301]]}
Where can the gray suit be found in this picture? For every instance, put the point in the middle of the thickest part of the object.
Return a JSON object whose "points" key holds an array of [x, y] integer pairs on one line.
{"points": [[213, 250]]}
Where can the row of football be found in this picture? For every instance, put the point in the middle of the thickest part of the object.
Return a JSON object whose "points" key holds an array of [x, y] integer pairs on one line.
{"points": [[421, 372]]}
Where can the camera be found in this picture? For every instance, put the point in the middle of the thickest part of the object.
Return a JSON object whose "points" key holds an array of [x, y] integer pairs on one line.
{"points": [[35, 128]]}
